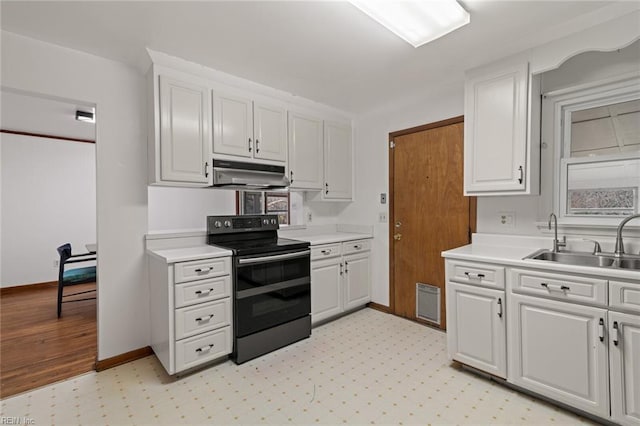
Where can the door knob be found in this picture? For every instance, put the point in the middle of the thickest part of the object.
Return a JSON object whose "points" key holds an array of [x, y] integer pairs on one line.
{"points": [[397, 237], [398, 224]]}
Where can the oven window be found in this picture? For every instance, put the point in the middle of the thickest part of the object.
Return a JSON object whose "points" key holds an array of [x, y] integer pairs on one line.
{"points": [[271, 293]]}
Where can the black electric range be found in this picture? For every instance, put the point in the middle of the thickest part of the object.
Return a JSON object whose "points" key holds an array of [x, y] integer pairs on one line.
{"points": [[271, 283]]}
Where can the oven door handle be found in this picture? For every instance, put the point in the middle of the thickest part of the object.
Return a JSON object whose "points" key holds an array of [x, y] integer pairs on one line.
{"points": [[274, 258], [250, 292]]}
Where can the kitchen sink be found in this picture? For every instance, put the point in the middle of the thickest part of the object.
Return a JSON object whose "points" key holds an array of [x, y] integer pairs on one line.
{"points": [[588, 259]]}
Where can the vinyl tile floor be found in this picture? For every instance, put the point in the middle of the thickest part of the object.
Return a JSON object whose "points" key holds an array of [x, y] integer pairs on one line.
{"points": [[366, 368]]}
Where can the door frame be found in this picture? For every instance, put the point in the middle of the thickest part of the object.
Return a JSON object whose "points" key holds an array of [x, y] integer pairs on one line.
{"points": [[472, 200]]}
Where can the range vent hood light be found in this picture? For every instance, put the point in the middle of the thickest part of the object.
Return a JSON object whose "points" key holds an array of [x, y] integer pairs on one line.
{"points": [[416, 22]]}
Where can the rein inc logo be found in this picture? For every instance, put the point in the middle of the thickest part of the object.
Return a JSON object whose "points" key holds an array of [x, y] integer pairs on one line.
{"points": [[15, 420]]}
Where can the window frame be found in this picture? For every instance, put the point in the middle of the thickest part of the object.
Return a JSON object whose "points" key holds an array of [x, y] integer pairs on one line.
{"points": [[564, 102]]}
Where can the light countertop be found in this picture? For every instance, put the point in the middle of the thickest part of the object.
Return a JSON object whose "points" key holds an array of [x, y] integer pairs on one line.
{"points": [[335, 237], [172, 255], [514, 256]]}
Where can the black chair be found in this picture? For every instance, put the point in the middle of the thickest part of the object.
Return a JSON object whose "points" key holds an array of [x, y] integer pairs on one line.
{"points": [[69, 277]]}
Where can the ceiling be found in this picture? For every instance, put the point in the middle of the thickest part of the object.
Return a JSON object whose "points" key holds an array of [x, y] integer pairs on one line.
{"points": [[327, 51]]}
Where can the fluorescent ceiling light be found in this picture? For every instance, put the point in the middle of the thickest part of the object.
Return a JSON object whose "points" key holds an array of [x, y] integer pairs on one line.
{"points": [[416, 22]]}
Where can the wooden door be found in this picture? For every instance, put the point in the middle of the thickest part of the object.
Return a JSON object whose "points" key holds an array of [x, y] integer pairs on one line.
{"points": [[429, 213]]}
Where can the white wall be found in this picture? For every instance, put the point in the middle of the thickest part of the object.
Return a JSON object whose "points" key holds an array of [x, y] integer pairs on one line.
{"points": [[48, 199], [372, 169], [118, 93]]}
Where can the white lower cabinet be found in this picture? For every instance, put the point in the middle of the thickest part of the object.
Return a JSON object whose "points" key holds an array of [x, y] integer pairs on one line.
{"points": [[191, 311], [340, 278], [476, 327], [559, 350], [624, 353]]}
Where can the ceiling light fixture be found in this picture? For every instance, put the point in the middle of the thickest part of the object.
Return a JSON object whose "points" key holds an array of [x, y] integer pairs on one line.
{"points": [[416, 22], [85, 116]]}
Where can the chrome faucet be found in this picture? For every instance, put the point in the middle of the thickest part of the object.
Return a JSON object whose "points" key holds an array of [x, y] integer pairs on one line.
{"points": [[556, 243], [619, 244]]}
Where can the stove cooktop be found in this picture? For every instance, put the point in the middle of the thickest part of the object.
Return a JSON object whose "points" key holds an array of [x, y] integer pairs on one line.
{"points": [[259, 245]]}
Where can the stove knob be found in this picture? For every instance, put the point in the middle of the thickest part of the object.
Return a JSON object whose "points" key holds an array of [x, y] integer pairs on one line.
{"points": [[265, 221], [217, 224], [273, 221], [227, 224]]}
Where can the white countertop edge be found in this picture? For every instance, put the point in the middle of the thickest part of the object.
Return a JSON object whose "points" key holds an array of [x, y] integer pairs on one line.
{"points": [[176, 234], [185, 254], [513, 256]]}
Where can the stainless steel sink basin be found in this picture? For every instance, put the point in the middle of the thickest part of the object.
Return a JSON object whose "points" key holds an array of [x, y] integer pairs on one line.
{"points": [[588, 259]]}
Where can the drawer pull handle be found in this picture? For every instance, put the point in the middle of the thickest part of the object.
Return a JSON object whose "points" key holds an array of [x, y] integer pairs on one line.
{"points": [[205, 270], [357, 246], [207, 318], [473, 275], [325, 252], [341, 269], [601, 329], [205, 348], [561, 288], [204, 292], [499, 307], [616, 339]]}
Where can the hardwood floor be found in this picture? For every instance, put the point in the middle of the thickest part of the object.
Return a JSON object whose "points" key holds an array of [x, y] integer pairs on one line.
{"points": [[36, 347]]}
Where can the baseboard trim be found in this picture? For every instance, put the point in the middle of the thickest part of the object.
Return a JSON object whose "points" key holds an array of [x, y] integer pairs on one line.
{"points": [[28, 287], [379, 307], [123, 358]]}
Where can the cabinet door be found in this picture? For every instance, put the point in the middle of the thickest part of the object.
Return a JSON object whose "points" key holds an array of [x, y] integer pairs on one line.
{"points": [[326, 289], [305, 151], [624, 352], [495, 129], [233, 122], [559, 350], [184, 132], [357, 276], [337, 161], [270, 131], [476, 327]]}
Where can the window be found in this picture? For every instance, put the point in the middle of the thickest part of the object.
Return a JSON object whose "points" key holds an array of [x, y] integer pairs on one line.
{"points": [[599, 151], [278, 203]]}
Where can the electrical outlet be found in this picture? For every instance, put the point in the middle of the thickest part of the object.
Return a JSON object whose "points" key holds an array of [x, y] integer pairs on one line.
{"points": [[507, 219], [309, 217], [56, 263], [382, 217]]}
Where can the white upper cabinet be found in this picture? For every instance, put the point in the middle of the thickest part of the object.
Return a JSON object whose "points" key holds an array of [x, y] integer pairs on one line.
{"points": [[233, 121], [338, 163], [305, 151], [180, 133], [270, 132], [244, 128], [501, 131]]}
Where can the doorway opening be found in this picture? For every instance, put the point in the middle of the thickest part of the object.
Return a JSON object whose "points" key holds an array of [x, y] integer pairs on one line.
{"points": [[47, 199], [428, 214]]}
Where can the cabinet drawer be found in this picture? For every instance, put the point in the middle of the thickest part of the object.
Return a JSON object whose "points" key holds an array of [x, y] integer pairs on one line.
{"points": [[202, 348], [560, 287], [624, 295], [200, 318], [326, 251], [199, 269], [356, 246], [476, 273], [202, 291]]}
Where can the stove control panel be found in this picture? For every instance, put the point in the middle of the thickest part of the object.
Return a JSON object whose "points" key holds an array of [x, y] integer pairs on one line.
{"points": [[244, 223]]}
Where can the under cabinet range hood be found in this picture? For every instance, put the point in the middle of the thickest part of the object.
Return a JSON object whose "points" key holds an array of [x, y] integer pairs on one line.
{"points": [[248, 176]]}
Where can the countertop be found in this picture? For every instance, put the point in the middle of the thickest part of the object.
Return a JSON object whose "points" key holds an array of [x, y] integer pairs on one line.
{"points": [[335, 237], [513, 256], [172, 255]]}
